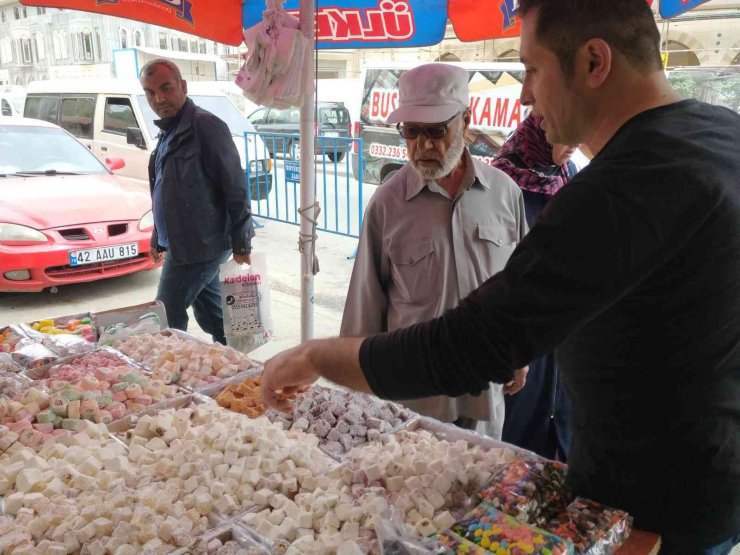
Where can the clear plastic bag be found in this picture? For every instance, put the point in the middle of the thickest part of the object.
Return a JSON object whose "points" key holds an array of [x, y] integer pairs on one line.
{"points": [[394, 538], [593, 528], [245, 298], [146, 323]]}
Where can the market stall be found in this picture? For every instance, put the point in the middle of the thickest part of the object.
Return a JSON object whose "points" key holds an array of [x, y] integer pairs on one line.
{"points": [[130, 437]]}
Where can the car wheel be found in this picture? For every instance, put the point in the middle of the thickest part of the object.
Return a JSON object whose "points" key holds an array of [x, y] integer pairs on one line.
{"points": [[339, 157]]}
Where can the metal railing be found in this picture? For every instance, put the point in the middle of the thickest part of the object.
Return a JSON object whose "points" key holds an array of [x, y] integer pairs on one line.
{"points": [[274, 180]]}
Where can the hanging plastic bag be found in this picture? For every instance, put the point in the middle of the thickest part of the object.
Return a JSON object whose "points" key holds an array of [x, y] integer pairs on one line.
{"points": [[273, 72], [245, 298]]}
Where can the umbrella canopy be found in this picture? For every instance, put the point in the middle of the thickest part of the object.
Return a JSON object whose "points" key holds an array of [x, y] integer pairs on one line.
{"points": [[343, 24]]}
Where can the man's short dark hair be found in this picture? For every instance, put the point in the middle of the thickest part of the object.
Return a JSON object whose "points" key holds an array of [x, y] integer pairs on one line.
{"points": [[628, 26], [151, 66]]}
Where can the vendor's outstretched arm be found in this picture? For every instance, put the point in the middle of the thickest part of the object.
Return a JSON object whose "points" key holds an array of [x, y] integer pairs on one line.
{"points": [[337, 360]]}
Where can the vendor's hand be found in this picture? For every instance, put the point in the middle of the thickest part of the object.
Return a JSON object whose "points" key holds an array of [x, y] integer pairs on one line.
{"points": [[516, 385], [284, 374], [243, 259], [156, 255]]}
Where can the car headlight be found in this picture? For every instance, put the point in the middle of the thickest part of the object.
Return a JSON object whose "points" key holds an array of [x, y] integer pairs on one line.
{"points": [[21, 233], [147, 221]]}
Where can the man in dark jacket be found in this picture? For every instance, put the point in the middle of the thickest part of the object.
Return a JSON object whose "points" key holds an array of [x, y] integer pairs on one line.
{"points": [[199, 200]]}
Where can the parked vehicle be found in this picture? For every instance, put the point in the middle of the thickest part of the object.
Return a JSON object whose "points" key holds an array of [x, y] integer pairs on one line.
{"points": [[494, 103], [332, 120], [112, 118], [65, 218], [11, 104]]}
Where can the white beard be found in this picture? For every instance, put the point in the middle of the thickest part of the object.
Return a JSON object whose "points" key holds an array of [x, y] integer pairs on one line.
{"points": [[454, 153]]}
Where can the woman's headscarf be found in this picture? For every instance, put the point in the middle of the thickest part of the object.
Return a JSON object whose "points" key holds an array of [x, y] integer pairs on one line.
{"points": [[526, 157]]}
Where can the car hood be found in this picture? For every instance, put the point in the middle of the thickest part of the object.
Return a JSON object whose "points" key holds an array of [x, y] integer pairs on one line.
{"points": [[44, 202]]}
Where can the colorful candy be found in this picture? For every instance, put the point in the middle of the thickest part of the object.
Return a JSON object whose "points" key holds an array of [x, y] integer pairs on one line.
{"points": [[66, 326], [591, 526], [460, 546], [531, 491], [504, 535]]}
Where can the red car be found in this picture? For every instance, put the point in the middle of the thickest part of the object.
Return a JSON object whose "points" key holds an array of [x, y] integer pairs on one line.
{"points": [[64, 217]]}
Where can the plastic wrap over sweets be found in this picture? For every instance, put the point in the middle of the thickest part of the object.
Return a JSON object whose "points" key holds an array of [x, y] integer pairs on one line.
{"points": [[593, 528], [273, 74], [395, 539], [530, 491], [245, 297], [146, 323]]}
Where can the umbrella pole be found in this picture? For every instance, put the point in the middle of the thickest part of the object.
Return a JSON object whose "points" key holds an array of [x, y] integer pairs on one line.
{"points": [[309, 212]]}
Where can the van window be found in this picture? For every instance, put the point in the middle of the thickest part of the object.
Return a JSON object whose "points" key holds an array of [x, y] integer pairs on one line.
{"points": [[258, 116], [42, 107], [277, 116], [77, 116], [338, 117], [5, 108], [118, 116]]}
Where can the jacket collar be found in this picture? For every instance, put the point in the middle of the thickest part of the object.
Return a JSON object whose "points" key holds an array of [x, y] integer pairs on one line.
{"points": [[415, 183], [178, 123]]}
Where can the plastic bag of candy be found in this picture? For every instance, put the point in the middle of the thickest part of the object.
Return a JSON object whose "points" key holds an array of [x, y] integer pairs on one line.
{"points": [[532, 491], [593, 528], [30, 354], [67, 345], [395, 538], [8, 365], [459, 546], [497, 532]]}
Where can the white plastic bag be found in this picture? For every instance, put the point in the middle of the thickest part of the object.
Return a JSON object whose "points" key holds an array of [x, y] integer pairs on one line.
{"points": [[245, 298]]}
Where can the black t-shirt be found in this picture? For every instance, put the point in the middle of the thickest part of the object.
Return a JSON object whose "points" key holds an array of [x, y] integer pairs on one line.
{"points": [[633, 272]]}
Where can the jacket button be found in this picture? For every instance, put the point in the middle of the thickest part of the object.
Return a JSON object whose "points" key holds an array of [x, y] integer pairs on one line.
{"points": [[411, 259]]}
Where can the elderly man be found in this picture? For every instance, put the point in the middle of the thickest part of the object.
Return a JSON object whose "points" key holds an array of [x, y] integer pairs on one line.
{"points": [[440, 227], [199, 200], [631, 272]]}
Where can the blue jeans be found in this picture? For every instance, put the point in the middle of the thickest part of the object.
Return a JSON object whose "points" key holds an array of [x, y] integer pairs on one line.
{"points": [[671, 546], [184, 285]]}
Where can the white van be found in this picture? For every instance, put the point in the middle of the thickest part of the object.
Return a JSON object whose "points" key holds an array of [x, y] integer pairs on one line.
{"points": [[113, 119], [11, 104], [494, 104]]}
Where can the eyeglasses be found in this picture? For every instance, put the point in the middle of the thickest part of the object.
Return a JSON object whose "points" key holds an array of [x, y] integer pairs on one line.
{"points": [[433, 132]]}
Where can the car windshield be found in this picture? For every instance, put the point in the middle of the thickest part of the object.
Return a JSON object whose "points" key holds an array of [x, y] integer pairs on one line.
{"points": [[34, 149], [18, 102], [219, 106]]}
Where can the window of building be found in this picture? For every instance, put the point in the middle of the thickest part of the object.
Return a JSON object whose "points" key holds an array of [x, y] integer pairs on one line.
{"points": [[40, 48], [86, 52], [175, 44], [3, 17], [23, 8], [77, 116], [193, 45], [162, 41], [183, 45], [40, 11], [138, 38], [202, 47], [123, 35], [17, 12], [118, 116], [26, 50]]}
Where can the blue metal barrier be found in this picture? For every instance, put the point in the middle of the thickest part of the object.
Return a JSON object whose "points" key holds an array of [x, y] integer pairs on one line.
{"points": [[275, 189]]}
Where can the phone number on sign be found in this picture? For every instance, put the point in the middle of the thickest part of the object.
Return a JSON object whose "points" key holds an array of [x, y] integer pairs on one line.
{"points": [[387, 151]]}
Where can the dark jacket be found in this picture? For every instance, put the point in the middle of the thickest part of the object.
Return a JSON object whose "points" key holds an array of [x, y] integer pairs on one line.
{"points": [[204, 190]]}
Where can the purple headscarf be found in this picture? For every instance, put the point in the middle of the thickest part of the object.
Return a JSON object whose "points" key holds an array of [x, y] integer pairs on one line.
{"points": [[527, 158]]}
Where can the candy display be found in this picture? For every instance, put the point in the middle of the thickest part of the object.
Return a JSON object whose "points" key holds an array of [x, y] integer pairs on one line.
{"points": [[81, 326], [187, 362], [341, 419], [246, 397], [531, 491], [593, 528], [460, 546], [502, 534], [162, 445], [429, 481]]}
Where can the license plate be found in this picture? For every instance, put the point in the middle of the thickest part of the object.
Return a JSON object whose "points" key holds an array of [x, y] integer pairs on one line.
{"points": [[103, 254], [331, 134]]}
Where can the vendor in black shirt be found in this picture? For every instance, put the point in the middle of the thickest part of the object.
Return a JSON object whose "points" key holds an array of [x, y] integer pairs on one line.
{"points": [[632, 272]]}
